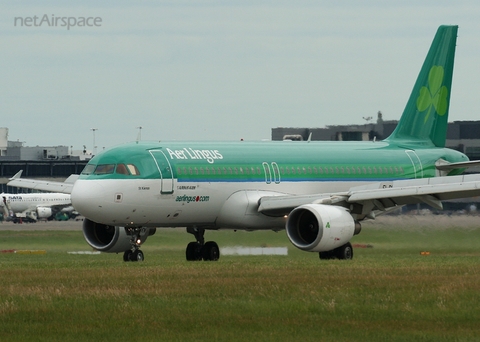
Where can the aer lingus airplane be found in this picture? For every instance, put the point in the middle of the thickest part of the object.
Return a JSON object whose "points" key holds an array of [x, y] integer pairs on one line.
{"points": [[319, 192]]}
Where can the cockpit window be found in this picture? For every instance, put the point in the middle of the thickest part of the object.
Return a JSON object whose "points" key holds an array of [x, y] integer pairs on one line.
{"points": [[122, 169], [104, 169], [133, 170], [128, 170], [88, 169]]}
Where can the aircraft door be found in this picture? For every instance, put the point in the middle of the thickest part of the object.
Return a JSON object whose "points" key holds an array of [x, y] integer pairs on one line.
{"points": [[165, 169], [416, 163], [272, 172], [268, 173], [276, 173]]}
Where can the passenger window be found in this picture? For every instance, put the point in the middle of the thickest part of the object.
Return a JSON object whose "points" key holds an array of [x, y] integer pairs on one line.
{"points": [[104, 169]]}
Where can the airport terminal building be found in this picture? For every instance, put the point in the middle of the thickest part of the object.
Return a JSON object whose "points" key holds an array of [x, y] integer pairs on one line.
{"points": [[42, 162], [463, 136]]}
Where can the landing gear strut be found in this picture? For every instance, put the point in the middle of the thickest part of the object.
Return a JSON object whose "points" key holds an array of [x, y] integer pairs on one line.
{"points": [[200, 249], [134, 253]]}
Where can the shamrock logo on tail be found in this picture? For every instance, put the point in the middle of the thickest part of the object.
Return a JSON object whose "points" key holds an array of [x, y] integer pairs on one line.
{"points": [[435, 95]]}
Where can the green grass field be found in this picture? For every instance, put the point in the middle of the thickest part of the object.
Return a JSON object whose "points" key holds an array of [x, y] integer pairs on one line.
{"points": [[388, 292]]}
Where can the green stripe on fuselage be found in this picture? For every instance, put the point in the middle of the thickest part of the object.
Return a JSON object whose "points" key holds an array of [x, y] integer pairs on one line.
{"points": [[277, 161]]}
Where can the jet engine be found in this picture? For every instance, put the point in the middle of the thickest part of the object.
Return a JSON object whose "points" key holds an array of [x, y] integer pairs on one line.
{"points": [[110, 239], [44, 212], [320, 228]]}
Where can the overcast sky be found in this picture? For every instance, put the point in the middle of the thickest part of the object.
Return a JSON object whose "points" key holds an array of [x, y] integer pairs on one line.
{"points": [[220, 70]]}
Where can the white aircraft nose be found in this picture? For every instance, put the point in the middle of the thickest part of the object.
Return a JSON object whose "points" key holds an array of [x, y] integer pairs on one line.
{"points": [[88, 197]]}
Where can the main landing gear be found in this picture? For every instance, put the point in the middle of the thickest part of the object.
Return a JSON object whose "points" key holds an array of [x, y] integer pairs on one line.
{"points": [[134, 253], [344, 252], [201, 250]]}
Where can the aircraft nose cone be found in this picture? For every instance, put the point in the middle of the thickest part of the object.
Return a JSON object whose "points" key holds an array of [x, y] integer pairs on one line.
{"points": [[87, 197]]}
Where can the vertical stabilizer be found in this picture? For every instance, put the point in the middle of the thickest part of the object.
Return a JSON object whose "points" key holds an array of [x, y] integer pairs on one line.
{"points": [[425, 118]]}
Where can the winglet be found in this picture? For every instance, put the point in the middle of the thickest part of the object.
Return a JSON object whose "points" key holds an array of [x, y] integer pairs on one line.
{"points": [[17, 175]]}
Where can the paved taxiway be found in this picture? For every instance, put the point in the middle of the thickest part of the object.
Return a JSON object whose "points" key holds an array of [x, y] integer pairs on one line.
{"points": [[381, 222], [43, 225]]}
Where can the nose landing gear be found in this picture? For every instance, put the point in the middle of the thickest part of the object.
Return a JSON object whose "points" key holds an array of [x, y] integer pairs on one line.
{"points": [[135, 254]]}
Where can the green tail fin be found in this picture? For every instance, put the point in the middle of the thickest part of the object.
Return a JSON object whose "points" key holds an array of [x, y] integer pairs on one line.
{"points": [[425, 118]]}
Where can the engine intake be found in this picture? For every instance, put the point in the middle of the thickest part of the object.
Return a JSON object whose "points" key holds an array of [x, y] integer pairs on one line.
{"points": [[44, 212], [320, 228]]}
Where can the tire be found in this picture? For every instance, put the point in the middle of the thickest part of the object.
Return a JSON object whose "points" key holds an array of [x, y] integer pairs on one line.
{"points": [[344, 252], [193, 252], [211, 252], [326, 255], [127, 256], [138, 256]]}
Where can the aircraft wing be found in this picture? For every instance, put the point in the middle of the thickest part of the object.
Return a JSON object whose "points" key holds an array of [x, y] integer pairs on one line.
{"points": [[382, 196], [63, 187]]}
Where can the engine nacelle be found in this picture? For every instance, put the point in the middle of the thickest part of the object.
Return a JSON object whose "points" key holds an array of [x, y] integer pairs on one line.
{"points": [[240, 211], [110, 239], [44, 212], [320, 228]]}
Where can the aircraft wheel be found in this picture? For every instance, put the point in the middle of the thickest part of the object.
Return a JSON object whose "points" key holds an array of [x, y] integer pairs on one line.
{"points": [[211, 252], [138, 256], [326, 255], [193, 251], [127, 255], [344, 252]]}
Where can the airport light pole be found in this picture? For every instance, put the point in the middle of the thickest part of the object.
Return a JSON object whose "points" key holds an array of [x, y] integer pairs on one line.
{"points": [[94, 150]]}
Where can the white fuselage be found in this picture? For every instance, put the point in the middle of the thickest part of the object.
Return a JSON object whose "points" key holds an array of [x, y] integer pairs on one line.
{"points": [[19, 203], [141, 203]]}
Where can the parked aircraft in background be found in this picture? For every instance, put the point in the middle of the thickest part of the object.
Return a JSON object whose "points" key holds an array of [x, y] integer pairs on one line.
{"points": [[31, 207], [318, 191]]}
